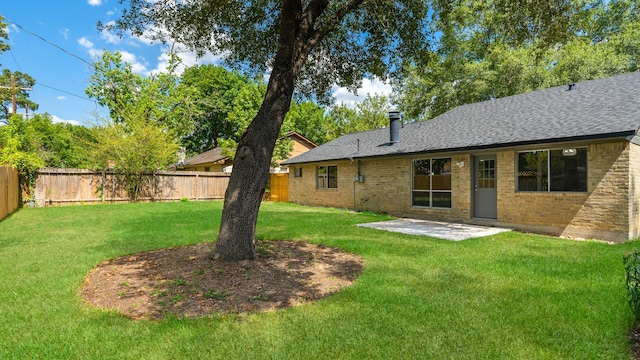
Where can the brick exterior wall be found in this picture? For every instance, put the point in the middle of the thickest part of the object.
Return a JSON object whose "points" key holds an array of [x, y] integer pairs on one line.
{"points": [[634, 191], [303, 190], [600, 213], [610, 209]]}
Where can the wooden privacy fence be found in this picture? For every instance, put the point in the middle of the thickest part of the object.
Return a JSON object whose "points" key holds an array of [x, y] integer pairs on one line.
{"points": [[76, 186], [9, 190], [279, 187]]}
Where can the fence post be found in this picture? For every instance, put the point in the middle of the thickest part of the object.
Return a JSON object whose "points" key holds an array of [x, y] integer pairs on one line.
{"points": [[197, 189], [104, 181], [153, 188]]}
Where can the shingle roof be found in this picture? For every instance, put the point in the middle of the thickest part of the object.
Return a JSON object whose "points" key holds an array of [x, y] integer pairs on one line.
{"points": [[209, 156], [601, 108]]}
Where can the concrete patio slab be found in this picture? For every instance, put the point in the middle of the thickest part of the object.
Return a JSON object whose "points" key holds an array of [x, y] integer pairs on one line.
{"points": [[437, 229]]}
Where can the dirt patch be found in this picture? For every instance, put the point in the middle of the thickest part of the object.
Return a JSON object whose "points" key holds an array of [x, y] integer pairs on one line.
{"points": [[185, 282]]}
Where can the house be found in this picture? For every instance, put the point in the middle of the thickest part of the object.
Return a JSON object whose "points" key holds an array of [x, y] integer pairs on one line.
{"points": [[300, 145], [562, 161], [215, 160], [210, 160]]}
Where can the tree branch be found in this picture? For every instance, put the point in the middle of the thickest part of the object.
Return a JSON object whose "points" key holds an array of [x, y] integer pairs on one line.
{"points": [[332, 22]]}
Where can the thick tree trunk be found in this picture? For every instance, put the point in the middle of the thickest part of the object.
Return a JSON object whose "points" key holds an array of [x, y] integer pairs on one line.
{"points": [[236, 240]]}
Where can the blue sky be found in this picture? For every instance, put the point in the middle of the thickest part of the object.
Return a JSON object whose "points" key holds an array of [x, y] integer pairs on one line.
{"points": [[71, 25]]}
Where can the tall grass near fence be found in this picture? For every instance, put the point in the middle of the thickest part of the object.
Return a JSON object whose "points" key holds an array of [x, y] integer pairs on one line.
{"points": [[9, 191], [508, 296]]}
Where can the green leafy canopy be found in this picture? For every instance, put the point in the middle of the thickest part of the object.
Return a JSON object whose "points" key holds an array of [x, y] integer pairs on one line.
{"points": [[355, 38]]}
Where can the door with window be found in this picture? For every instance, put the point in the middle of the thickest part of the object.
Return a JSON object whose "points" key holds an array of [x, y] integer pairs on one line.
{"points": [[485, 194]]}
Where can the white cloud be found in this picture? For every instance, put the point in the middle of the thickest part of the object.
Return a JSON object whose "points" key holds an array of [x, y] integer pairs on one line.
{"points": [[65, 33], [369, 86], [95, 54], [12, 28], [128, 57], [109, 36], [136, 66], [85, 43], [94, 2], [188, 58], [56, 119], [61, 97]]}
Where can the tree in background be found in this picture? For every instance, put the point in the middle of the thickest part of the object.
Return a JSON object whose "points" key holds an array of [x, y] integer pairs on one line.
{"points": [[14, 90], [309, 120], [475, 62], [4, 36], [135, 150], [149, 115], [29, 144], [369, 114], [216, 92], [311, 45], [13, 85], [21, 146], [245, 107], [156, 97]]}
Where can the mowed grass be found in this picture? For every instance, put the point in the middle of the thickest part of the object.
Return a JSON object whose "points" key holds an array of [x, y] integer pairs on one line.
{"points": [[509, 296]]}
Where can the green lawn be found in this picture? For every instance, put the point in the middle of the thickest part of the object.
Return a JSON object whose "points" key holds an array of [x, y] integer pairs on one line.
{"points": [[509, 296]]}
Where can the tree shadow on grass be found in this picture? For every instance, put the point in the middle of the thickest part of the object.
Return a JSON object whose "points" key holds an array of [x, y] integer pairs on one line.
{"points": [[183, 281]]}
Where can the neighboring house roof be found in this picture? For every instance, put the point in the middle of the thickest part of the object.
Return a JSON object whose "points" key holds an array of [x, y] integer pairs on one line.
{"points": [[215, 155], [295, 135], [212, 156], [601, 108]]}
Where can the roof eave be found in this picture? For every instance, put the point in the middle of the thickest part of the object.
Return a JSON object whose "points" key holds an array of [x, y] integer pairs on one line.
{"points": [[627, 135]]}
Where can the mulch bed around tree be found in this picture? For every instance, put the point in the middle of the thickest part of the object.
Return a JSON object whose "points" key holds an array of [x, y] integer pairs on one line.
{"points": [[183, 281]]}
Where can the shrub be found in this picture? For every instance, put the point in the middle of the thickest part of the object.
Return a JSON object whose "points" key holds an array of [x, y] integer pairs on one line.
{"points": [[632, 270]]}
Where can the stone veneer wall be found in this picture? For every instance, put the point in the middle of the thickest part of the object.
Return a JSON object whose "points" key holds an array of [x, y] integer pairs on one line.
{"points": [[604, 212]]}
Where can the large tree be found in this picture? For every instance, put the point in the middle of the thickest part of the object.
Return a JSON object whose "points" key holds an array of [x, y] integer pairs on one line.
{"points": [[148, 116], [311, 45], [369, 114], [29, 144], [216, 92], [13, 85], [156, 97], [14, 93], [474, 63]]}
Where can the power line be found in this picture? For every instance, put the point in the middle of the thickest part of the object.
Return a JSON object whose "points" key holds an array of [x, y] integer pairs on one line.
{"points": [[15, 60], [66, 92], [49, 42], [60, 48]]}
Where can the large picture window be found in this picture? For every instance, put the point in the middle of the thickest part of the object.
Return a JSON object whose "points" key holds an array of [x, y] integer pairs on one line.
{"points": [[553, 170], [431, 183], [327, 177]]}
